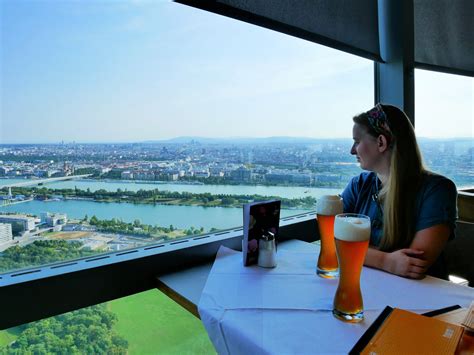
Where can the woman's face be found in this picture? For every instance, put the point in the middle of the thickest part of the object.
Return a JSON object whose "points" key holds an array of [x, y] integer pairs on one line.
{"points": [[365, 148]]}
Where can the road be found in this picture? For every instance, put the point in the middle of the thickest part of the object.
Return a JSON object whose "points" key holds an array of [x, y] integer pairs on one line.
{"points": [[45, 181]]}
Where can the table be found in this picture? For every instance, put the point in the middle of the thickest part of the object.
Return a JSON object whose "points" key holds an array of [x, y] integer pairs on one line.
{"points": [[288, 310], [185, 286]]}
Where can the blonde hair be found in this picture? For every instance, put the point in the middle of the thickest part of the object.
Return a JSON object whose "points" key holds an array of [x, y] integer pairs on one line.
{"points": [[406, 174]]}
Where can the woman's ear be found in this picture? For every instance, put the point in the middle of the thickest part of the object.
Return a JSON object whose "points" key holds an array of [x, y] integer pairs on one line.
{"points": [[382, 143]]}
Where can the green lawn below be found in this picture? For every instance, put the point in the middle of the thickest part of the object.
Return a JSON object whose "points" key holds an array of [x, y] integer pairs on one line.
{"points": [[154, 324]]}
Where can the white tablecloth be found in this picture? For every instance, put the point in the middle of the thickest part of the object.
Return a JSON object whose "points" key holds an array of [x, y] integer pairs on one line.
{"points": [[287, 310]]}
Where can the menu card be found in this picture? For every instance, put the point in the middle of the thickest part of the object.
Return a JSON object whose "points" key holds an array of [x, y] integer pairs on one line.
{"points": [[397, 331], [260, 218]]}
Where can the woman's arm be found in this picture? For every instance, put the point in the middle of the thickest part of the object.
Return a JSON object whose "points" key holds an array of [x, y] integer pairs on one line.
{"points": [[414, 261]]}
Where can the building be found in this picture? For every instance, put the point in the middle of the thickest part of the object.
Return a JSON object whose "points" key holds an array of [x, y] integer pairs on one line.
{"points": [[241, 174], [216, 172], [126, 175], [202, 174], [68, 169], [144, 175], [301, 179], [53, 219], [6, 234], [19, 223], [278, 177], [43, 173]]}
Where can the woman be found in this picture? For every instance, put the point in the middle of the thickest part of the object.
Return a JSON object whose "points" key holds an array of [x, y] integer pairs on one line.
{"points": [[412, 210]]}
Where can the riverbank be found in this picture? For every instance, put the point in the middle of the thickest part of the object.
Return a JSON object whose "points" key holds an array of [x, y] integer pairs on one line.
{"points": [[219, 183], [94, 185], [181, 217], [157, 196]]}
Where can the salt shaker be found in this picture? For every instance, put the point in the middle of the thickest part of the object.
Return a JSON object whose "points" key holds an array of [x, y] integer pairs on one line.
{"points": [[267, 250]]}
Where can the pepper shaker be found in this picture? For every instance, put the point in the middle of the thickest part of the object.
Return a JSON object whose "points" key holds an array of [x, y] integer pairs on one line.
{"points": [[267, 250]]}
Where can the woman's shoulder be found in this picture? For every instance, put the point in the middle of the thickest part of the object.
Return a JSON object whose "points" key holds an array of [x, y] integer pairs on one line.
{"points": [[359, 188], [432, 182], [366, 177], [437, 187], [436, 202], [360, 184]]}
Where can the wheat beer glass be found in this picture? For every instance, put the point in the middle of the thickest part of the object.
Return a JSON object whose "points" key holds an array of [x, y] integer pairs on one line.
{"points": [[327, 208], [352, 233]]}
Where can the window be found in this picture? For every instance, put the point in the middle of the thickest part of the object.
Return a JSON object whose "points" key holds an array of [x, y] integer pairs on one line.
{"points": [[168, 119], [444, 124]]}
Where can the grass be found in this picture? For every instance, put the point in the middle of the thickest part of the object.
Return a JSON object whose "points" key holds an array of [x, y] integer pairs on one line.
{"points": [[68, 235], [8, 335], [152, 323]]}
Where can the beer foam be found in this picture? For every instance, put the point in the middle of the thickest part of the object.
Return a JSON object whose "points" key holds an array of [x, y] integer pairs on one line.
{"points": [[352, 229], [329, 205]]}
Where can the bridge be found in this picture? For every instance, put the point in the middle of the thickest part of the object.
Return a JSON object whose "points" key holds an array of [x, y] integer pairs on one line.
{"points": [[42, 182]]}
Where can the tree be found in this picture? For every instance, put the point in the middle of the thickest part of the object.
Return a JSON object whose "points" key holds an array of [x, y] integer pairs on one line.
{"points": [[94, 220], [86, 331], [228, 200], [41, 252]]}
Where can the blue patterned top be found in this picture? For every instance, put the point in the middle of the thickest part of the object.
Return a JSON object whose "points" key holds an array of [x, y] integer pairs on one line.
{"points": [[436, 203]]}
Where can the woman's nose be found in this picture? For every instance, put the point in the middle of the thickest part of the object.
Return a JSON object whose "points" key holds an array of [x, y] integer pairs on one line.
{"points": [[353, 150]]}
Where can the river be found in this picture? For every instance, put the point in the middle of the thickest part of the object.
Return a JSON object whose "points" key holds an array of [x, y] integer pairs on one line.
{"points": [[283, 191], [163, 215]]}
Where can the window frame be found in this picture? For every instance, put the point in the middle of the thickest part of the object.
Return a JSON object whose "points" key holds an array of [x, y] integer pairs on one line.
{"points": [[36, 293], [40, 292]]}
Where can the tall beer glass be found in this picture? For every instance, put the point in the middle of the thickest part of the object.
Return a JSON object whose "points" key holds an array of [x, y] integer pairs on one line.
{"points": [[352, 233], [327, 208]]}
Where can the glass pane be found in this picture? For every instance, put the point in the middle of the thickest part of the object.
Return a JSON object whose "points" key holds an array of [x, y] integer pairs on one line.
{"points": [[444, 124], [145, 323], [160, 111]]}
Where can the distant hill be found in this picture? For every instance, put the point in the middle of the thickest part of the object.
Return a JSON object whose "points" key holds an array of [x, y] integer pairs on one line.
{"points": [[246, 140], [464, 141], [454, 140]]}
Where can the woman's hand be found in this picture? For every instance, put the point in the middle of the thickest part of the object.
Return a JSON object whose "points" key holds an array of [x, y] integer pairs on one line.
{"points": [[406, 263], [412, 262]]}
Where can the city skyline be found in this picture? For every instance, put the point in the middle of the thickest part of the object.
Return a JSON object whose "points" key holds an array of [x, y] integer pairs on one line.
{"points": [[221, 140], [138, 71]]}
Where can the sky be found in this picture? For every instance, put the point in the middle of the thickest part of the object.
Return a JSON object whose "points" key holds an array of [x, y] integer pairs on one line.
{"points": [[131, 71]]}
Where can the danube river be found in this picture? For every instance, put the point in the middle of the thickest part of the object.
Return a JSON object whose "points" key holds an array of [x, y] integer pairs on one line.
{"points": [[163, 215], [94, 185]]}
